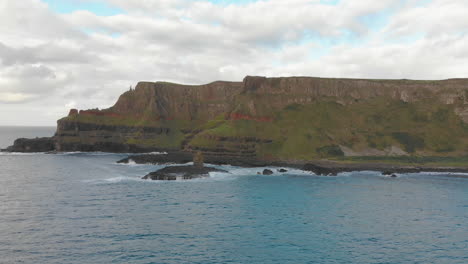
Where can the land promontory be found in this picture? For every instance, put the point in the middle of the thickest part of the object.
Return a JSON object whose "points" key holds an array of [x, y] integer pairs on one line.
{"points": [[278, 119]]}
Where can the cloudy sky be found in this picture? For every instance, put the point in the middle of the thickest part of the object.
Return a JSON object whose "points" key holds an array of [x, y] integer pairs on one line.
{"points": [[61, 54]]}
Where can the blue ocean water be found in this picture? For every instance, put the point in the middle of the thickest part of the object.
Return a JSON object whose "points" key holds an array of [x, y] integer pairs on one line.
{"points": [[85, 208]]}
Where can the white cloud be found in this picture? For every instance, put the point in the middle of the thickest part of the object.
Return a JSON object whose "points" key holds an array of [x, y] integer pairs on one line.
{"points": [[6, 97], [53, 61]]}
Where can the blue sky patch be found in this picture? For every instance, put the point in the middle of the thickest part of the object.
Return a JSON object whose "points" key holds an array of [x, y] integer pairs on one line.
{"points": [[69, 6]]}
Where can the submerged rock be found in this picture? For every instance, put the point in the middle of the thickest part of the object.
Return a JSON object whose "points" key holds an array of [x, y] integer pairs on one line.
{"points": [[267, 172], [173, 173], [282, 170]]}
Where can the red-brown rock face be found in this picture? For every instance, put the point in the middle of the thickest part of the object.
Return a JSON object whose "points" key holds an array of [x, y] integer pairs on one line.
{"points": [[167, 101], [256, 98]]}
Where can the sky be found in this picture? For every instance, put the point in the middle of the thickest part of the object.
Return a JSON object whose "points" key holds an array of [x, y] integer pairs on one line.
{"points": [[62, 54]]}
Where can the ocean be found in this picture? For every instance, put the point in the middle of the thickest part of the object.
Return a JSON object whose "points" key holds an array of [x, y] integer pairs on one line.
{"points": [[86, 208]]}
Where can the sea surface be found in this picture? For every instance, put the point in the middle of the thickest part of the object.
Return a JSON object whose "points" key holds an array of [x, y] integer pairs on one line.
{"points": [[86, 208]]}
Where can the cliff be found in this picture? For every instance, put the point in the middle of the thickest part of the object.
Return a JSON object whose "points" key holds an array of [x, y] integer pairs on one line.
{"points": [[294, 118]]}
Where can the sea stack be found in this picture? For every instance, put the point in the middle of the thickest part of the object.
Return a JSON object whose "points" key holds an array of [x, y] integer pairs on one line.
{"points": [[198, 160]]}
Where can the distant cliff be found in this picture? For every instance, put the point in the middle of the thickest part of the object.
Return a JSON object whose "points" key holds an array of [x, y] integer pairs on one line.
{"points": [[294, 118]]}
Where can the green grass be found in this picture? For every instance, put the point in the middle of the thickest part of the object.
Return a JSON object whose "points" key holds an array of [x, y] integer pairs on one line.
{"points": [[170, 141], [316, 130]]}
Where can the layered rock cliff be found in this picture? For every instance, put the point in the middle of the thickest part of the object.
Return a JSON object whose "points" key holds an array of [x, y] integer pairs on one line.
{"points": [[279, 118]]}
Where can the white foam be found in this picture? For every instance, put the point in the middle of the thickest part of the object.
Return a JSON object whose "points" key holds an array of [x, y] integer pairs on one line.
{"points": [[257, 171], [156, 153], [21, 153], [118, 179], [91, 153], [131, 162], [121, 179]]}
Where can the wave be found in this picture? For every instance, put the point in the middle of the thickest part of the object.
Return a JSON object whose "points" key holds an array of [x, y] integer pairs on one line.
{"points": [[118, 179], [234, 172], [257, 171], [21, 153], [155, 153]]}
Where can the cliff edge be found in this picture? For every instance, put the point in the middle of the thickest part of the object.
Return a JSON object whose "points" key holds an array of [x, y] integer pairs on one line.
{"points": [[290, 118]]}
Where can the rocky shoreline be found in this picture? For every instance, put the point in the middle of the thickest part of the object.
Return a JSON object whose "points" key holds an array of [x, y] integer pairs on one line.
{"points": [[320, 167]]}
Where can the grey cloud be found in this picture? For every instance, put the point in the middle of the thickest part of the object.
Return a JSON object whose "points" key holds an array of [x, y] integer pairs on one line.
{"points": [[43, 53]]}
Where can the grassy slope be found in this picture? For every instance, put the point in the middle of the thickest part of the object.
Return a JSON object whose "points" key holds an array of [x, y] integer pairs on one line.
{"points": [[315, 130]]}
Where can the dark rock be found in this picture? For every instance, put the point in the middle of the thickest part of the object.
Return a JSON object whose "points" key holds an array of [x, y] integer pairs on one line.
{"points": [[282, 170], [113, 147], [267, 172], [173, 173], [184, 157], [44, 144], [393, 175], [321, 170]]}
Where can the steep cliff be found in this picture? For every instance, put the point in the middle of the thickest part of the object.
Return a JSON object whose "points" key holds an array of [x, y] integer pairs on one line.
{"points": [[279, 118]]}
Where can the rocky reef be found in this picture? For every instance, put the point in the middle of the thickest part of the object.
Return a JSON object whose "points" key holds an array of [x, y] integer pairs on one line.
{"points": [[172, 173], [263, 120], [187, 172]]}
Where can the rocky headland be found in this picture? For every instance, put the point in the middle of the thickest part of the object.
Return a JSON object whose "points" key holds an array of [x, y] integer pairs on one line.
{"points": [[44, 144], [281, 121]]}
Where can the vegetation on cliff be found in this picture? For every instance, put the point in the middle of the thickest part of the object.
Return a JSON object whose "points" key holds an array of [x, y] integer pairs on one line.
{"points": [[297, 118]]}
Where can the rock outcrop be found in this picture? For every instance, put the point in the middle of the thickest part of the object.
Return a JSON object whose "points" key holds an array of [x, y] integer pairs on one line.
{"points": [[32, 145], [173, 173]]}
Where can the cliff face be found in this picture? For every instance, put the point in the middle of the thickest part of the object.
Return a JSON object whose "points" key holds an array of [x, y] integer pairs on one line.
{"points": [[168, 101], [279, 118]]}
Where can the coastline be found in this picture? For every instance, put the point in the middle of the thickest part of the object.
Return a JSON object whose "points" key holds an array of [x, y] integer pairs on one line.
{"points": [[326, 167], [319, 167]]}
